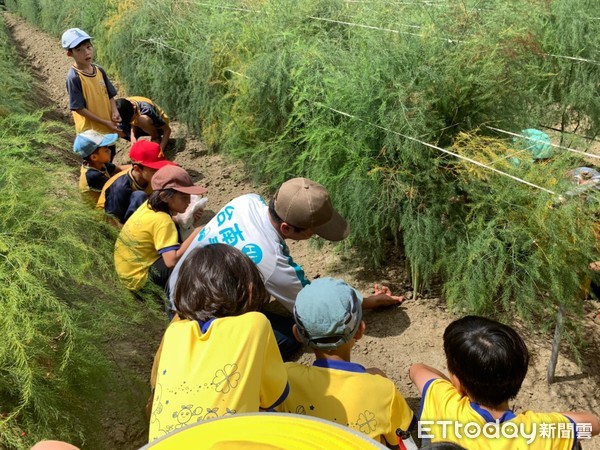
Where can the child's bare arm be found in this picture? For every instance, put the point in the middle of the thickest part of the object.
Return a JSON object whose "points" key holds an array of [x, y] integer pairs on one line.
{"points": [[585, 417], [116, 117], [132, 137], [420, 374], [171, 258], [165, 137]]}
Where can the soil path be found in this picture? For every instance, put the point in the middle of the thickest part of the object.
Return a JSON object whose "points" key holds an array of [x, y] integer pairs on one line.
{"points": [[395, 337]]}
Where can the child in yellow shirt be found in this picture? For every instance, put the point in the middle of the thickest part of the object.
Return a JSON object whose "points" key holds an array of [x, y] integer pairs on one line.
{"points": [[221, 358], [487, 363], [328, 316]]}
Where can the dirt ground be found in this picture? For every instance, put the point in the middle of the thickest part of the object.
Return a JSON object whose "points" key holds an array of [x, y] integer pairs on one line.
{"points": [[395, 337]]}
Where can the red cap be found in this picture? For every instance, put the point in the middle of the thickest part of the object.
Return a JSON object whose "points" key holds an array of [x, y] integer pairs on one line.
{"points": [[148, 154]]}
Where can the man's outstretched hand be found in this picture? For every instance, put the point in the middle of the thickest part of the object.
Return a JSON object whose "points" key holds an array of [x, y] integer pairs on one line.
{"points": [[382, 297]]}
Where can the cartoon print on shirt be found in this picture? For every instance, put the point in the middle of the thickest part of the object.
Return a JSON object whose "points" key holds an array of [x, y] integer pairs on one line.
{"points": [[185, 414], [157, 406], [226, 378], [300, 409], [211, 413]]}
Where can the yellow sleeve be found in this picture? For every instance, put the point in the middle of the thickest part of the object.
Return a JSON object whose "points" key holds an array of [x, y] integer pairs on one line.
{"points": [[165, 234], [401, 416], [163, 115], [274, 383]]}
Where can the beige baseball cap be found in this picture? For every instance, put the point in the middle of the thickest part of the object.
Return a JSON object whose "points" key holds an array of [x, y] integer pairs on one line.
{"points": [[306, 204]]}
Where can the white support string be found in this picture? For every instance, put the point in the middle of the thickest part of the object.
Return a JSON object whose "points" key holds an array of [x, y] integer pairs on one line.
{"points": [[160, 43], [176, 50], [588, 155], [456, 155], [223, 7], [587, 138], [573, 58], [389, 30], [360, 25]]}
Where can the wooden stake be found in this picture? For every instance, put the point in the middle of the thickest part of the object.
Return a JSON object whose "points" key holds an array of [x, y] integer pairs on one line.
{"points": [[560, 321]]}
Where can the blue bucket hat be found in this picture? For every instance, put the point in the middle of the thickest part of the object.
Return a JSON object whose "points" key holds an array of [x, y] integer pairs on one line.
{"points": [[89, 141], [327, 308], [73, 37]]}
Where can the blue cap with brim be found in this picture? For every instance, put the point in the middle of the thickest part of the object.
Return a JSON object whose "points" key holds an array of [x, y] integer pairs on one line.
{"points": [[73, 37], [89, 141], [325, 310]]}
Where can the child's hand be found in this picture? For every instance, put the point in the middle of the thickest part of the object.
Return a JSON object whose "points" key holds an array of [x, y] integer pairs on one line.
{"points": [[116, 117], [381, 290], [113, 126], [198, 214]]}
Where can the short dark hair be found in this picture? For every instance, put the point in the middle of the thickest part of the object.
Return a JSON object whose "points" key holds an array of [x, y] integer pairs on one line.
{"points": [[278, 220], [489, 359], [125, 110], [218, 281], [158, 200]]}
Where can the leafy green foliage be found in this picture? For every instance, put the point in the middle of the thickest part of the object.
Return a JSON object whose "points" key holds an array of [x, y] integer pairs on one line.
{"points": [[60, 296], [14, 84], [348, 93], [529, 252], [59, 291]]}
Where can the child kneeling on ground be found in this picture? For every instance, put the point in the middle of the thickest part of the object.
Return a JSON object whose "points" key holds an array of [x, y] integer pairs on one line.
{"points": [[123, 193], [96, 168], [328, 316], [148, 247], [222, 357], [142, 117], [487, 362]]}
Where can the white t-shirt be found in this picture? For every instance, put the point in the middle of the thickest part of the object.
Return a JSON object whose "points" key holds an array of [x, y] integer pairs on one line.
{"points": [[244, 223]]}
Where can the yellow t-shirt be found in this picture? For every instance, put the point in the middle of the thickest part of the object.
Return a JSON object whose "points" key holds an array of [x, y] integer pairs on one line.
{"points": [[144, 237], [445, 415], [160, 114], [231, 366], [343, 392], [97, 97]]}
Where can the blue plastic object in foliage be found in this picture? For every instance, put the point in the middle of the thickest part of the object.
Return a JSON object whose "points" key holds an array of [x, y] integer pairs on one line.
{"points": [[536, 142]]}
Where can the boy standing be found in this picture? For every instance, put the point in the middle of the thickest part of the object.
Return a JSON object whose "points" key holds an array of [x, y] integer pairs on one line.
{"points": [[328, 316], [142, 117], [126, 191], [96, 168], [487, 362], [91, 94]]}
